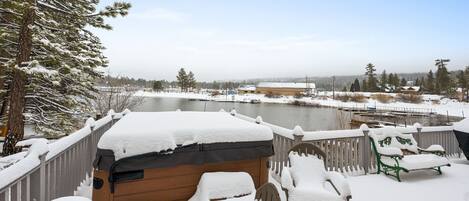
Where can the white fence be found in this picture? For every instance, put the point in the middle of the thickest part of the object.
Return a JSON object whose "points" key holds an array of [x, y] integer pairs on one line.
{"points": [[53, 170]]}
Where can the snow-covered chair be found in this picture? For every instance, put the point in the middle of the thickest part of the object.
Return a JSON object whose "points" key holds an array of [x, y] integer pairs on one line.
{"points": [[397, 152], [307, 179], [267, 192]]}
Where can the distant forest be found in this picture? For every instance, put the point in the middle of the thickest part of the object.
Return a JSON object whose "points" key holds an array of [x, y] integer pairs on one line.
{"points": [[323, 83]]}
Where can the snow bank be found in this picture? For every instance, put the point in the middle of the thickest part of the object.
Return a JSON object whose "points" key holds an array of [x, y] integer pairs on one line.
{"points": [[217, 185], [144, 132]]}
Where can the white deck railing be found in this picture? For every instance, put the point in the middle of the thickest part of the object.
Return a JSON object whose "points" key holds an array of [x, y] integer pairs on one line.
{"points": [[53, 170], [349, 151]]}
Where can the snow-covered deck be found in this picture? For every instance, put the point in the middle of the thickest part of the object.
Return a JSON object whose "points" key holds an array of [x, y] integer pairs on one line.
{"points": [[426, 185]]}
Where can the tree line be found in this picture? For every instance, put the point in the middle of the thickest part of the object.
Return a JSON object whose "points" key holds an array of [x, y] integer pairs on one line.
{"points": [[49, 61], [441, 82]]}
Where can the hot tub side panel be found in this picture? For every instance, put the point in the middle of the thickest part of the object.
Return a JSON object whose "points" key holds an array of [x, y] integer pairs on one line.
{"points": [[175, 183]]}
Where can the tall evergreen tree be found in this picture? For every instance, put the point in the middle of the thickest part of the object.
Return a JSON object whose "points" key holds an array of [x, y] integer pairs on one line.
{"points": [[182, 79], [430, 82], [355, 86], [191, 82], [158, 85], [403, 82], [364, 86], [383, 81], [372, 83], [54, 60], [442, 80]]}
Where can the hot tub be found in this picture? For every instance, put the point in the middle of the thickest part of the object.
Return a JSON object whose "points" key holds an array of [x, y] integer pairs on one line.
{"points": [[461, 130], [161, 155]]}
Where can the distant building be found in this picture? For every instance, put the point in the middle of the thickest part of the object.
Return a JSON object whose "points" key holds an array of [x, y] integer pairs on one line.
{"points": [[247, 89], [409, 89], [286, 88]]}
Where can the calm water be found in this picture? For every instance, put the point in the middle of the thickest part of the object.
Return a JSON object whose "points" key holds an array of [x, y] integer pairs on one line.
{"points": [[288, 116]]}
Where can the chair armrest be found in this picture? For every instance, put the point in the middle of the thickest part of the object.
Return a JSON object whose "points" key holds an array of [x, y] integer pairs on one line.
{"points": [[286, 180], [390, 152], [340, 183], [433, 149]]}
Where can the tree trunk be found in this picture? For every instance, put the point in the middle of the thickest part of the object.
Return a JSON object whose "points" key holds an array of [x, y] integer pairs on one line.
{"points": [[17, 87]]}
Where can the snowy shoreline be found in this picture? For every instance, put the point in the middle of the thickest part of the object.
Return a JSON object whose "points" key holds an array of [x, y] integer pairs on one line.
{"points": [[444, 107]]}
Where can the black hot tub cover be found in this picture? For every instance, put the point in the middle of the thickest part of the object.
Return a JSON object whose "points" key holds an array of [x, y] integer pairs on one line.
{"points": [[461, 130]]}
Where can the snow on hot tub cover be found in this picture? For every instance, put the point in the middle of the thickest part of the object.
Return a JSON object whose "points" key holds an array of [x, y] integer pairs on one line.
{"points": [[147, 132]]}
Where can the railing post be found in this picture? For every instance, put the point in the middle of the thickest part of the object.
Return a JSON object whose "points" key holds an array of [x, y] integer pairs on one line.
{"points": [[258, 120], [366, 148], [298, 134], [42, 177]]}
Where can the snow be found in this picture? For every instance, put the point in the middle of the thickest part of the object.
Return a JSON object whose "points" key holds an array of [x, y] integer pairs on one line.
{"points": [[86, 188], [144, 132], [216, 185], [418, 161], [72, 198], [462, 125], [319, 135], [309, 176], [415, 186], [382, 133], [65, 142], [247, 88], [444, 106]]}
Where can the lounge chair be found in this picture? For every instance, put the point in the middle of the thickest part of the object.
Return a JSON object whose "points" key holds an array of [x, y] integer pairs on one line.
{"points": [[396, 152], [307, 179]]}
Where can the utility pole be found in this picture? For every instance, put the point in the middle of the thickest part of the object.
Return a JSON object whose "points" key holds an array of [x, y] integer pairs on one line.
{"points": [[333, 87]]}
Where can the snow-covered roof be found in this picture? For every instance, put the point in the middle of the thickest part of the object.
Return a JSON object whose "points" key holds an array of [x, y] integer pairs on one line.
{"points": [[144, 132], [300, 85], [247, 88], [413, 88]]}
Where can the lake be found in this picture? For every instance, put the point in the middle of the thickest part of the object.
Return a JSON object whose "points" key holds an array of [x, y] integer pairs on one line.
{"points": [[285, 115], [309, 118]]}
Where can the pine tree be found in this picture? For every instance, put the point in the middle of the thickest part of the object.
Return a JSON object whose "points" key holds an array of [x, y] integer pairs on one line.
{"points": [[403, 82], [192, 83], [442, 81], [355, 86], [54, 64], [372, 82], [383, 81], [182, 79], [466, 77], [158, 85], [430, 82], [364, 85]]}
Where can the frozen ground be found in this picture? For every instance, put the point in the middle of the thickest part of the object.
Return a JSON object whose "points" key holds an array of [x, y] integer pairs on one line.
{"points": [[445, 106]]}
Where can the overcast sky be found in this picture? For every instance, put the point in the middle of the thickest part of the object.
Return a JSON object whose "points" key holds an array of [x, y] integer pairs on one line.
{"points": [[242, 39]]}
